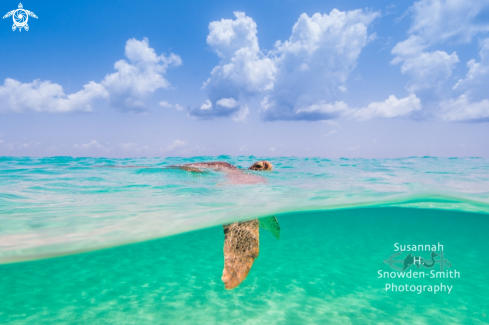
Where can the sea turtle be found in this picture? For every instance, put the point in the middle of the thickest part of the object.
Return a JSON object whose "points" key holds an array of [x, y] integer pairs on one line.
{"points": [[20, 17], [242, 239]]}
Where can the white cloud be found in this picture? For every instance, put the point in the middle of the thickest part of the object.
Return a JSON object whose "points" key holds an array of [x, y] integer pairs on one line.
{"points": [[242, 72], [436, 22], [314, 63], [428, 69], [133, 82], [20, 145], [166, 104], [464, 110], [391, 107], [176, 144], [90, 145], [408, 48], [477, 77], [206, 106], [321, 110], [299, 75], [241, 114], [44, 96], [473, 104], [230, 36], [126, 89], [227, 102]]}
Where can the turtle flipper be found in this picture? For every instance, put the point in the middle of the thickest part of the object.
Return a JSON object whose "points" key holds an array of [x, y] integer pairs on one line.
{"points": [[271, 224], [26, 27], [8, 14], [14, 27], [241, 248]]}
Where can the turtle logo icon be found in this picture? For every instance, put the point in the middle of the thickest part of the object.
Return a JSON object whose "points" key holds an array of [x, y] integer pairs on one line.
{"points": [[20, 17]]}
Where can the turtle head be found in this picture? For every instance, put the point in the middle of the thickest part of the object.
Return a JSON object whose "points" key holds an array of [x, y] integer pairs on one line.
{"points": [[262, 165]]}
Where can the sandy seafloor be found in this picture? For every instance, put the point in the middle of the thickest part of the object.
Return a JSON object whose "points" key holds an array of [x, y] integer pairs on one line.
{"points": [[324, 268]]}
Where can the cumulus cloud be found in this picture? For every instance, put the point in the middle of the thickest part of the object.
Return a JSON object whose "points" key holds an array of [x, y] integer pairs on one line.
{"points": [[391, 107], [135, 80], [473, 104], [303, 77], [166, 104], [321, 110], [300, 76], [314, 63], [428, 69], [477, 78], [126, 89], [176, 144], [243, 70], [90, 145], [44, 96], [18, 145], [463, 109], [435, 22], [447, 21]]}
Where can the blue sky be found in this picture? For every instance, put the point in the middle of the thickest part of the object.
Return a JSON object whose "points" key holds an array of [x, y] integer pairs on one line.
{"points": [[264, 78]]}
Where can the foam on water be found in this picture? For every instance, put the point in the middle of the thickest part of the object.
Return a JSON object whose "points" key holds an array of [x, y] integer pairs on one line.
{"points": [[62, 205]]}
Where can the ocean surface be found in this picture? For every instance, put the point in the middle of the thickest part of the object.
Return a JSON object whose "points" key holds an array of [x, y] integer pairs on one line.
{"points": [[128, 241]]}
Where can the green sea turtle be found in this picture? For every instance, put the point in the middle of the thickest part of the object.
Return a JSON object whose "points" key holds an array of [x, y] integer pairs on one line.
{"points": [[242, 239]]}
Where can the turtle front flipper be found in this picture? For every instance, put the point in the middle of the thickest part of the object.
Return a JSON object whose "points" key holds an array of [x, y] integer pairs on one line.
{"points": [[271, 224], [241, 248]]}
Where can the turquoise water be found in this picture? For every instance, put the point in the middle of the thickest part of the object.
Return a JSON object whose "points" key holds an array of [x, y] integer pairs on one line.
{"points": [[339, 221]]}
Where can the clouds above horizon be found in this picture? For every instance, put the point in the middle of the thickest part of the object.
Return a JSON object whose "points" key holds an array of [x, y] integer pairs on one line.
{"points": [[434, 23], [314, 64], [45, 96], [243, 70], [307, 76], [126, 90], [473, 104], [391, 107], [299, 76], [135, 80]]}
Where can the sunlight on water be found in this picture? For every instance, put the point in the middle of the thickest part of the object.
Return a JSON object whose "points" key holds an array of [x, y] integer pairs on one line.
{"points": [[323, 270]]}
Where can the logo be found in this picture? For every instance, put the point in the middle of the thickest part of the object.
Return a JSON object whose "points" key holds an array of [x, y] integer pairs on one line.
{"points": [[401, 270], [20, 17], [419, 261]]}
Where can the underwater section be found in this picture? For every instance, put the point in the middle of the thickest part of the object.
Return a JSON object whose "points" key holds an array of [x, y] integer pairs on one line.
{"points": [[323, 269], [62, 205]]}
